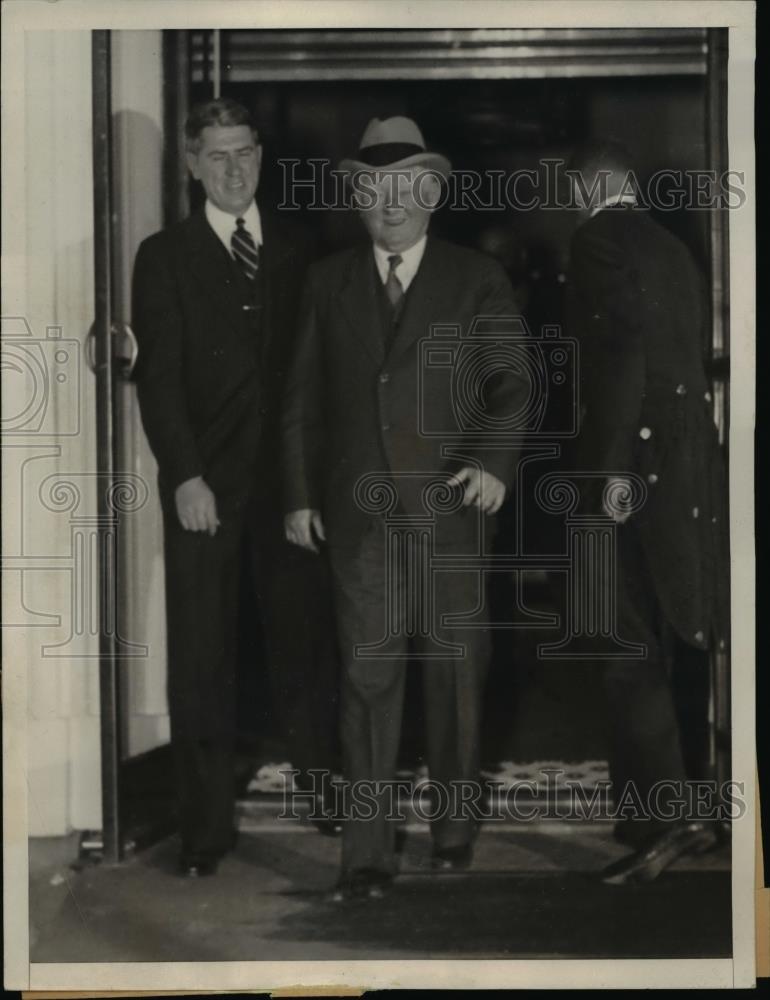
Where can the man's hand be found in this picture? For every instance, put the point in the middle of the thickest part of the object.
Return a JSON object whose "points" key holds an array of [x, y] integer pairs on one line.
{"points": [[196, 506], [481, 488], [617, 493], [303, 527]]}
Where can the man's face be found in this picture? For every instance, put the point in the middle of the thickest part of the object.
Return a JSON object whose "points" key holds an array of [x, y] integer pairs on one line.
{"points": [[227, 165], [396, 205]]}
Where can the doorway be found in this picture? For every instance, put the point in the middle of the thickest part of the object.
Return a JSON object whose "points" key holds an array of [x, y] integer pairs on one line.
{"points": [[529, 104], [535, 710]]}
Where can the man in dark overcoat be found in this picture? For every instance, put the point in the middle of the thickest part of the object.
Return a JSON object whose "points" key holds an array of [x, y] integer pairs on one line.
{"points": [[359, 405], [639, 310], [214, 306]]}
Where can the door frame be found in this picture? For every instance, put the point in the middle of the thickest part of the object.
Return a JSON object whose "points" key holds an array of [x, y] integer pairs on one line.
{"points": [[136, 792], [104, 364], [188, 55], [219, 57]]}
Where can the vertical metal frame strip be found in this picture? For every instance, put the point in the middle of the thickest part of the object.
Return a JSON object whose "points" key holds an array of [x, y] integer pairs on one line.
{"points": [[719, 246], [109, 697]]}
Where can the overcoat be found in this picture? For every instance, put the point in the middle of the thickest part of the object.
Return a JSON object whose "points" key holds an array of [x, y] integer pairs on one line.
{"points": [[359, 401], [639, 310]]}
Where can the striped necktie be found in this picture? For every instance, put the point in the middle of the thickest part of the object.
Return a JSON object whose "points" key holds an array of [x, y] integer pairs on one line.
{"points": [[245, 249], [393, 287]]}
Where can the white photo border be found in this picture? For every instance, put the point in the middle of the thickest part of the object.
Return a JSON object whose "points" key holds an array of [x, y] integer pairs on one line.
{"points": [[20, 16]]}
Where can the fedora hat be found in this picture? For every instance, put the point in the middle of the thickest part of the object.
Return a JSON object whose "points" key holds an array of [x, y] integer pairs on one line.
{"points": [[393, 143]]}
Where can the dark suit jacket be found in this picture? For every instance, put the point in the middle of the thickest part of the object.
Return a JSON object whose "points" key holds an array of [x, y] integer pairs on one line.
{"points": [[209, 389], [353, 407], [638, 307]]}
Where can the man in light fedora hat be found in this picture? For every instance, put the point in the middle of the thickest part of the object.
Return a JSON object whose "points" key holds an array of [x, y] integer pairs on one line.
{"points": [[395, 143], [359, 472]]}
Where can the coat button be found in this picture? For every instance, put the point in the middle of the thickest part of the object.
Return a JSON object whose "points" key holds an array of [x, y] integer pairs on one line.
{"points": [[713, 520], [698, 636], [386, 427], [681, 390], [645, 433], [652, 478], [695, 512], [707, 396], [385, 377]]}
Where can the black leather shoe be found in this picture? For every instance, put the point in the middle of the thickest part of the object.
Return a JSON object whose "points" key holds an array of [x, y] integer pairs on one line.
{"points": [[198, 867], [365, 884], [646, 865], [198, 864], [449, 859]]}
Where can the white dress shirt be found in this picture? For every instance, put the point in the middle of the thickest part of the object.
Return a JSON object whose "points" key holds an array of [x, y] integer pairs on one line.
{"points": [[224, 225], [410, 262]]}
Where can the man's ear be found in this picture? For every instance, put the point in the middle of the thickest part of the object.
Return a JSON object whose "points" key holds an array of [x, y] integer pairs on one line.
{"points": [[192, 164]]}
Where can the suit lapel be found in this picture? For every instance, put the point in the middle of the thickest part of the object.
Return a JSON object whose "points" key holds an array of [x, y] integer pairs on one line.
{"points": [[211, 266], [361, 305], [422, 297]]}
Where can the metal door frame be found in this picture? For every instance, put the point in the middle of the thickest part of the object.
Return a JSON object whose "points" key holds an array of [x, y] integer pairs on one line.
{"points": [[127, 785], [104, 370]]}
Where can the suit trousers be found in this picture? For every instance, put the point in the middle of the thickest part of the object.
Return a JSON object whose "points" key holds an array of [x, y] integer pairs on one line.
{"points": [[389, 604], [295, 604], [203, 575], [202, 590], [645, 746]]}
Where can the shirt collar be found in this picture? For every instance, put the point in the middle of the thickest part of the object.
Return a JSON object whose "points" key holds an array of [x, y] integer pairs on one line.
{"points": [[614, 199], [410, 262], [223, 223]]}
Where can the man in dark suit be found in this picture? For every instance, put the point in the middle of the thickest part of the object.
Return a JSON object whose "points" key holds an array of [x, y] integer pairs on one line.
{"points": [[214, 309], [638, 308], [353, 411]]}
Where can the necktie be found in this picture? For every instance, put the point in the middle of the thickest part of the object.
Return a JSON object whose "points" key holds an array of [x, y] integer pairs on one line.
{"points": [[393, 287], [245, 250]]}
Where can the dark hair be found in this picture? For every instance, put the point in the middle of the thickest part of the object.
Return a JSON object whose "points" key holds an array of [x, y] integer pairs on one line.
{"points": [[601, 154], [223, 111]]}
